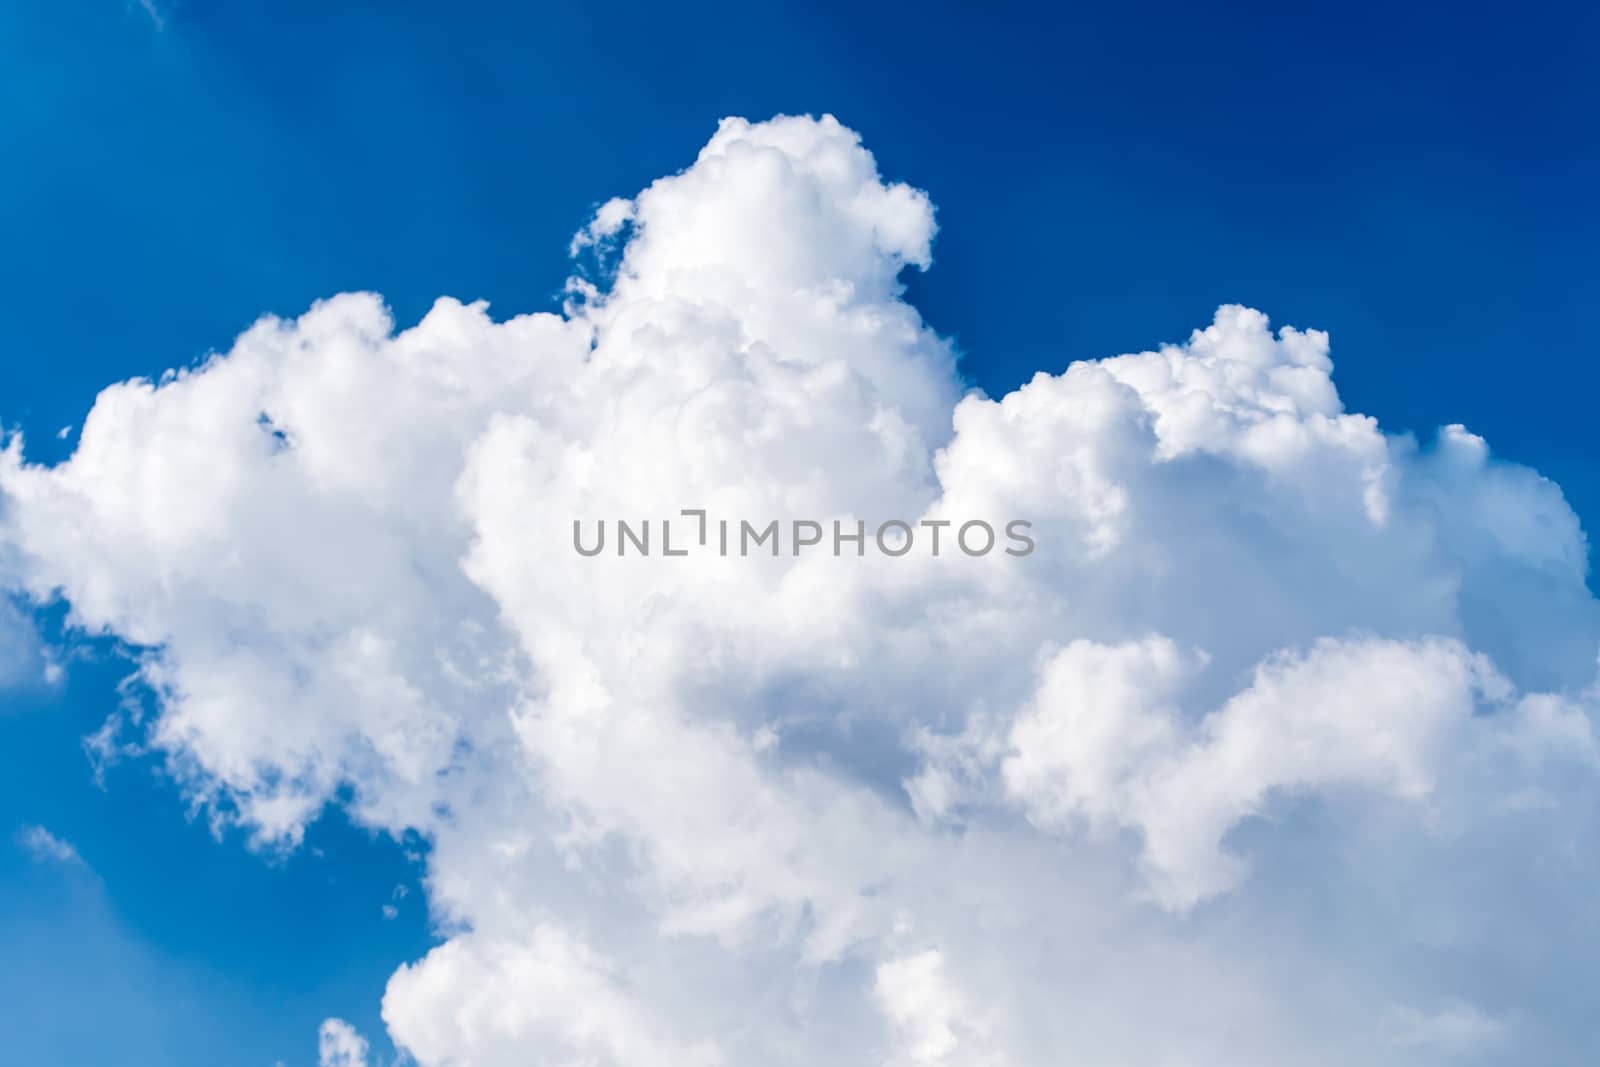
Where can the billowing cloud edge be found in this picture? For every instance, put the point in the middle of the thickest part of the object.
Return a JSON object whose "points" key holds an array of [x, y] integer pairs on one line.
{"points": [[1260, 755]]}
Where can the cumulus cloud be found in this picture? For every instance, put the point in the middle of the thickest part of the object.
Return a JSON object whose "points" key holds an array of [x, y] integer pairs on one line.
{"points": [[1284, 729], [1098, 742], [498, 1000]]}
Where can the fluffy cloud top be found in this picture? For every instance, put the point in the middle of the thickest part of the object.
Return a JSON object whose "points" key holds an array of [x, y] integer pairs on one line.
{"points": [[1277, 750]]}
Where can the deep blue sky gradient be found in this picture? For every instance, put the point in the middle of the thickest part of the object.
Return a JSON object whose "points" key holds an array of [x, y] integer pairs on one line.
{"points": [[1419, 182]]}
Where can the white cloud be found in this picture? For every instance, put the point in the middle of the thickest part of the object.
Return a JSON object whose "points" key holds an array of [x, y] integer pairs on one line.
{"points": [[496, 1001], [931, 1018], [340, 1045], [1455, 1029], [153, 13], [1278, 731], [23, 660], [43, 845], [1099, 741]]}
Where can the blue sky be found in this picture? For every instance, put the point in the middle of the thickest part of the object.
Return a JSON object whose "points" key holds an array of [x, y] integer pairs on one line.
{"points": [[1418, 182]]}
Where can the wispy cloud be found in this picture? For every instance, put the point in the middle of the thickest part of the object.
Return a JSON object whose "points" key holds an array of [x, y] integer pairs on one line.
{"points": [[157, 19], [1455, 1028], [46, 846]]}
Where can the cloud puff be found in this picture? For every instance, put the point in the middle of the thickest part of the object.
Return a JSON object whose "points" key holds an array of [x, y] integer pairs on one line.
{"points": [[340, 1045], [1283, 730]]}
